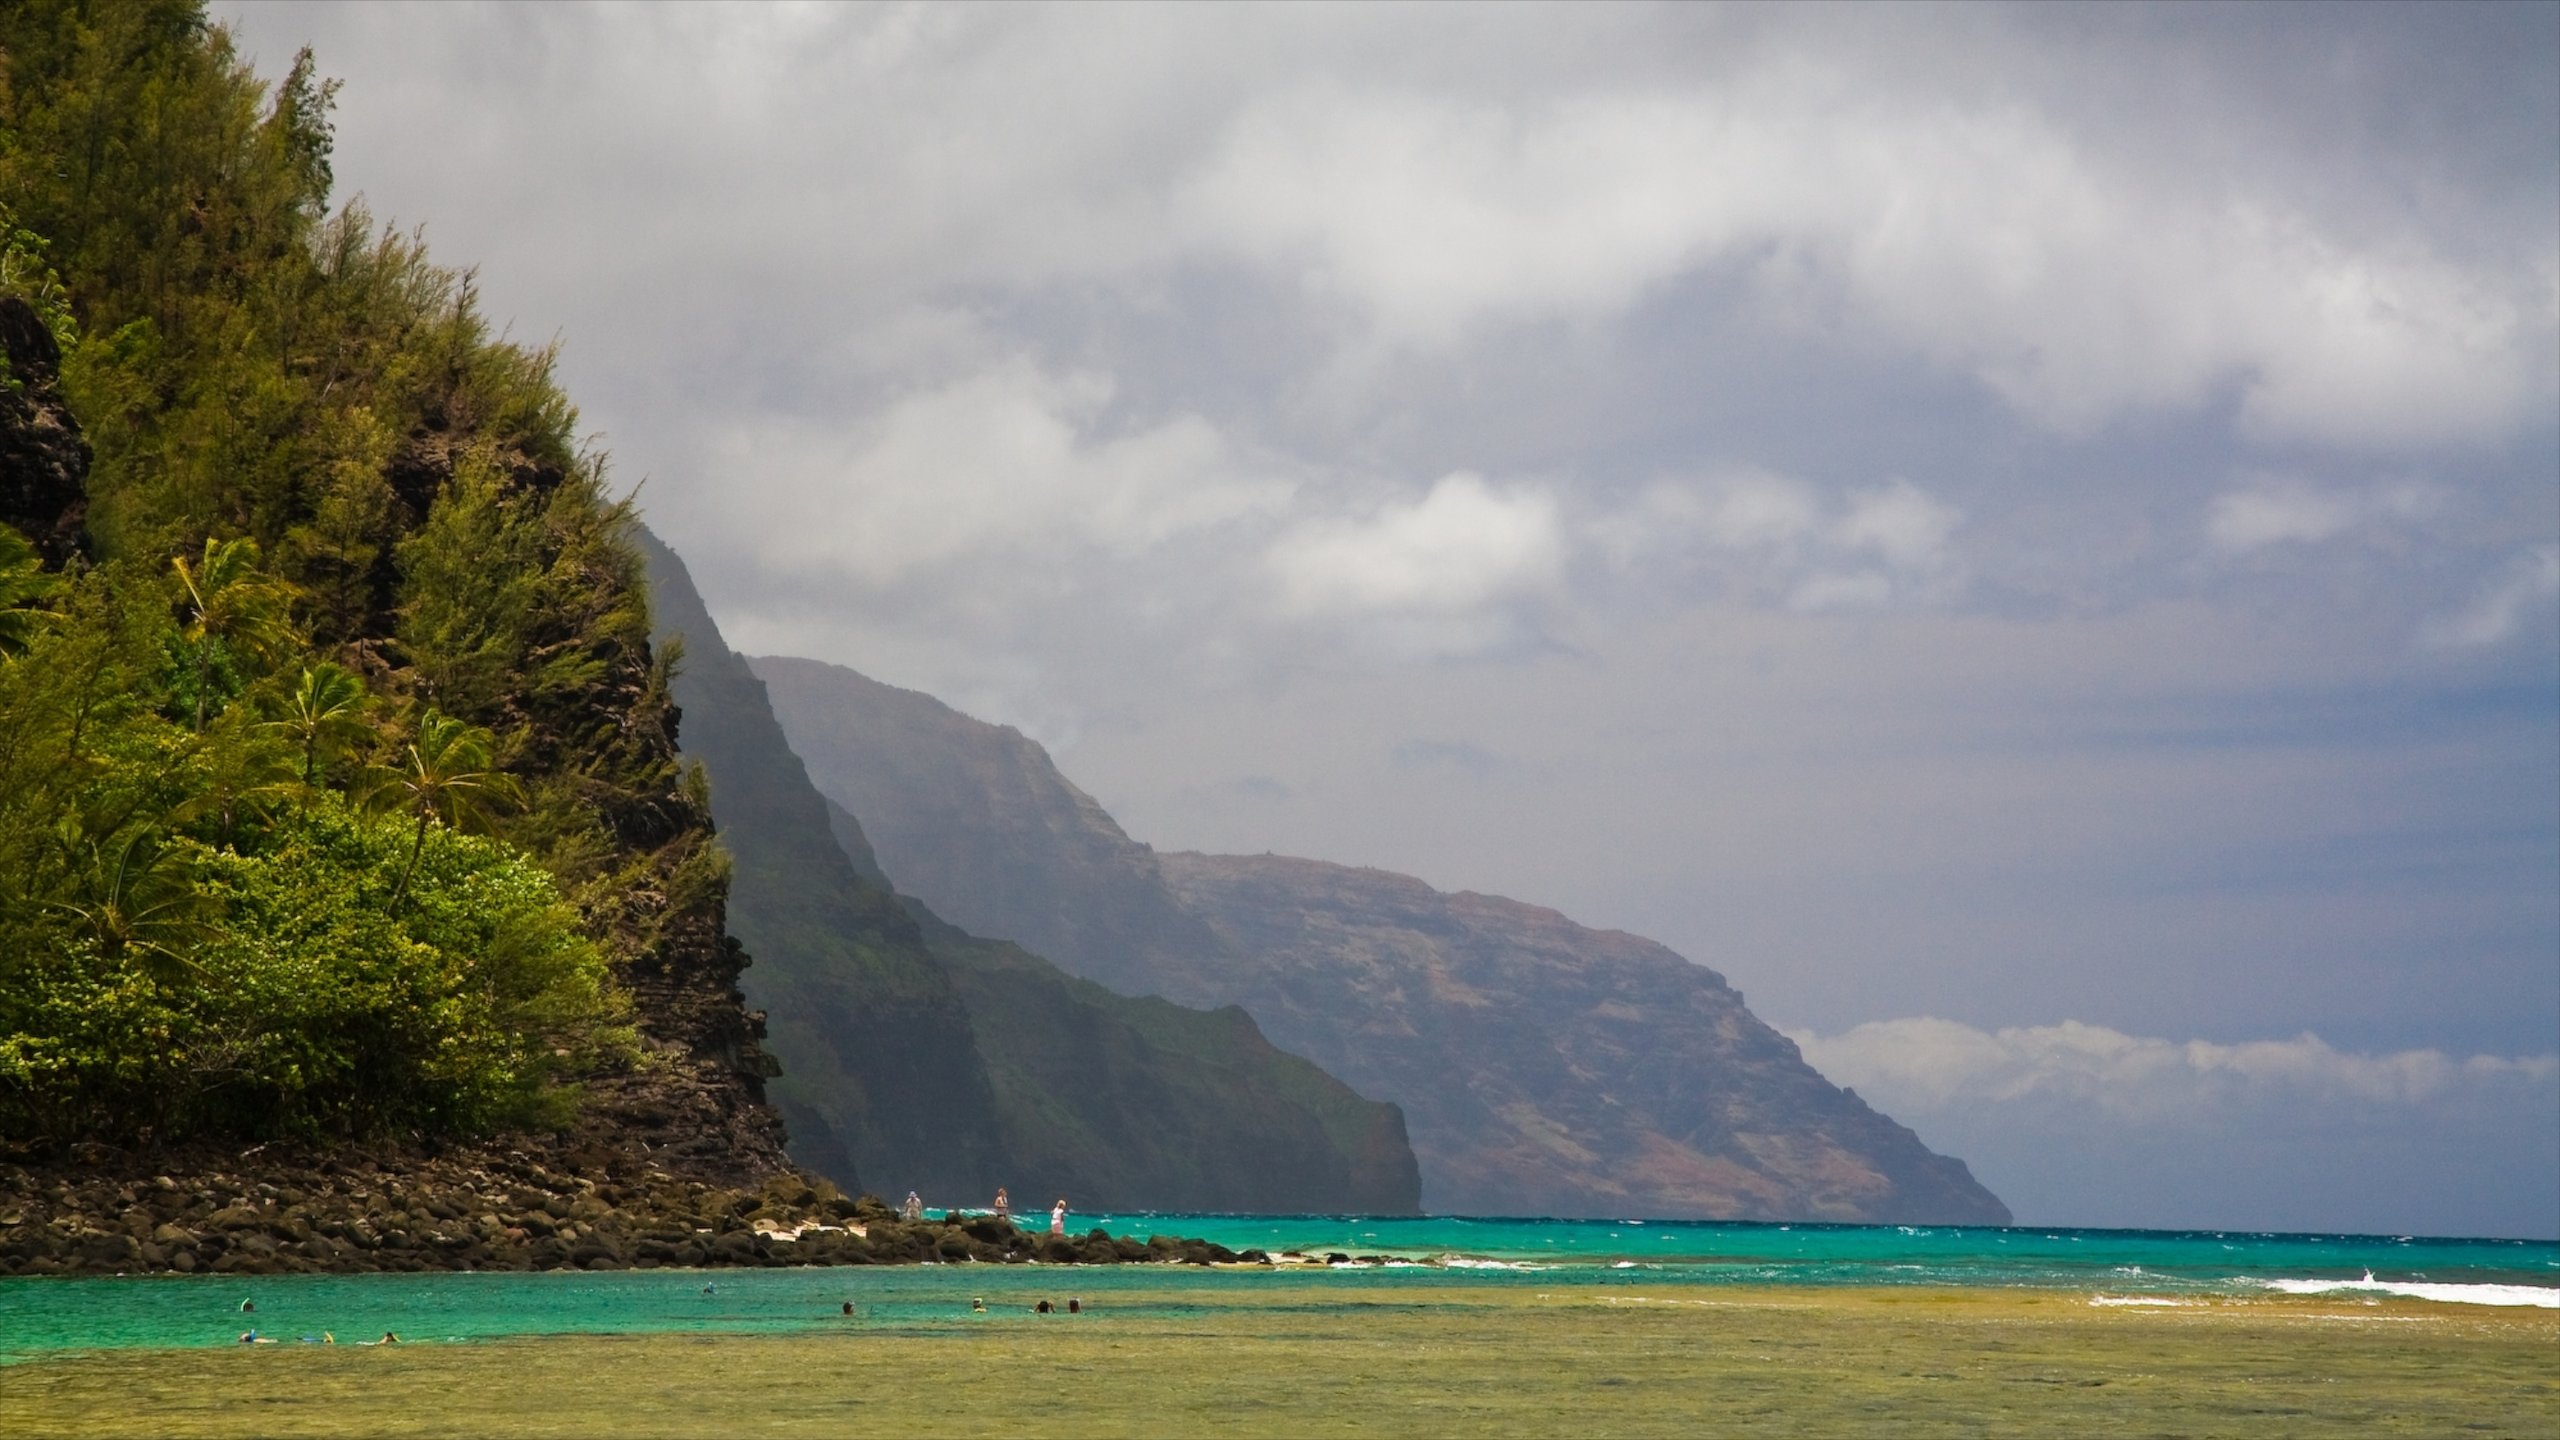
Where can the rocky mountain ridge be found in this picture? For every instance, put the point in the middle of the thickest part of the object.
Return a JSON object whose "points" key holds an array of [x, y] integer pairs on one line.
{"points": [[1544, 1067]]}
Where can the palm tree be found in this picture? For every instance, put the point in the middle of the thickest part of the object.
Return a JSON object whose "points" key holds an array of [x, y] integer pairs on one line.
{"points": [[322, 716], [22, 580], [139, 898], [445, 775], [231, 601]]}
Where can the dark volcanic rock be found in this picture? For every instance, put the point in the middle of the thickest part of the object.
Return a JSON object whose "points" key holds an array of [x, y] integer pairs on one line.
{"points": [[1543, 1068], [513, 1205], [44, 461]]}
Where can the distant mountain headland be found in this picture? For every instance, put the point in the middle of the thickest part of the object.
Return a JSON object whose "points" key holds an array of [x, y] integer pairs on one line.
{"points": [[1543, 1067], [916, 1055]]}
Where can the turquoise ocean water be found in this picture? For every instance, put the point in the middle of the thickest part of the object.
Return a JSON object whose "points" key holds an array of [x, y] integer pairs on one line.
{"points": [[44, 1315]]}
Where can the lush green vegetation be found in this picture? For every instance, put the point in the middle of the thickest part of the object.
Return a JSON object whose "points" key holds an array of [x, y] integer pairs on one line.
{"points": [[335, 771]]}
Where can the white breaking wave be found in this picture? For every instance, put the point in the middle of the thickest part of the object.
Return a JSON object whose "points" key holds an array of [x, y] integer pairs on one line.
{"points": [[2540, 1296]]}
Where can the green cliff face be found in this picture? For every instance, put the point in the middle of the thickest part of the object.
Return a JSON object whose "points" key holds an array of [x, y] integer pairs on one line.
{"points": [[881, 1082], [1543, 1068], [921, 1057], [339, 798]]}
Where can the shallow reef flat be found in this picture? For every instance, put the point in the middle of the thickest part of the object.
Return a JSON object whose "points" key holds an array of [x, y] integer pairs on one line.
{"points": [[1315, 1360]]}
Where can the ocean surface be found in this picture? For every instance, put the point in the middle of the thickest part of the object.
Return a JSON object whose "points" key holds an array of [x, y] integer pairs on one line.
{"points": [[40, 1315]]}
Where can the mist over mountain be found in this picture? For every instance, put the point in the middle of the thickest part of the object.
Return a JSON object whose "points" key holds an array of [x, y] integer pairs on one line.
{"points": [[1543, 1067], [915, 1055]]}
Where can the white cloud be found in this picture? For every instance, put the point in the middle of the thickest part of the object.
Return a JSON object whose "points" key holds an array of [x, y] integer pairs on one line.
{"points": [[1567, 174], [1461, 549], [2253, 519], [1900, 523], [976, 474], [1987, 237], [2528, 583], [1760, 509], [1925, 1066], [2280, 511], [1783, 540]]}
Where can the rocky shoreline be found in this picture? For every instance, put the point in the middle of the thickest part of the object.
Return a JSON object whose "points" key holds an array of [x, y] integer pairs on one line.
{"points": [[276, 1211]]}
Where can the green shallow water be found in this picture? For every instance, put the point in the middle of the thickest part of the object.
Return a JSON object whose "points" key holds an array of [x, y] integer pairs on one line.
{"points": [[51, 1315]]}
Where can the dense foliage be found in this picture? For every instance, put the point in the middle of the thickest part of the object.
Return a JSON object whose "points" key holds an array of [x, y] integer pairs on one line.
{"points": [[345, 588]]}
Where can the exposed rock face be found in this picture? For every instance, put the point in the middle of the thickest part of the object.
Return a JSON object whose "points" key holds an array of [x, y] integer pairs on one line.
{"points": [[44, 461], [925, 1058], [1550, 1069], [1543, 1068]]}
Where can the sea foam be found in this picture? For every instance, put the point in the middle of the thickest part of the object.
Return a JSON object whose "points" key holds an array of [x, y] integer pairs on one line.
{"points": [[2540, 1296]]}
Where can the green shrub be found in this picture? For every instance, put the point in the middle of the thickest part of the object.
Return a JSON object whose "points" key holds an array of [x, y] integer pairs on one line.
{"points": [[324, 1000]]}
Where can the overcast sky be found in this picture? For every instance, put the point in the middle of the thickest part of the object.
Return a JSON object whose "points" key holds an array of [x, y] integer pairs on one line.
{"points": [[2028, 538]]}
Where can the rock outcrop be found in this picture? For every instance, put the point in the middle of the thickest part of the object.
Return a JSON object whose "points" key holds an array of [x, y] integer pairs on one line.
{"points": [[44, 461], [1543, 1067], [360, 1209]]}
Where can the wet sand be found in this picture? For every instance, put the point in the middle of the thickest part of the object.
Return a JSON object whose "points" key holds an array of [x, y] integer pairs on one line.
{"points": [[1313, 1360]]}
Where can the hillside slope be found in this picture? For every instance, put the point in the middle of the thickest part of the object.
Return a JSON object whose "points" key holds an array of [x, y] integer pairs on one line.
{"points": [[923, 1057], [1543, 1067]]}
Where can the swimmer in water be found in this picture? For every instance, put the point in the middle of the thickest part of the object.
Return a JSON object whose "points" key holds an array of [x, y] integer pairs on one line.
{"points": [[848, 1307], [248, 1305], [1075, 1304], [978, 1305]]}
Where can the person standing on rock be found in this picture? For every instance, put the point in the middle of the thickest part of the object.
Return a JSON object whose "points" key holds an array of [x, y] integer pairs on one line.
{"points": [[1004, 1204], [1058, 1217], [913, 1210]]}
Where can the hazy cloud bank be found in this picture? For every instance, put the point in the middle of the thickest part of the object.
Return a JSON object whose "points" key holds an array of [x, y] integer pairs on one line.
{"points": [[2398, 1141], [1933, 1065]]}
